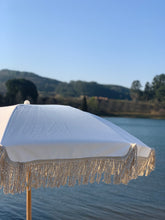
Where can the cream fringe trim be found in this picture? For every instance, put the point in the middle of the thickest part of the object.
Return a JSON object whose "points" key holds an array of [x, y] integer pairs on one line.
{"points": [[56, 173]]}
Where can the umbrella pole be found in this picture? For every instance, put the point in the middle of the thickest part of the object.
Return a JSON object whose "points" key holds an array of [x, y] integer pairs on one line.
{"points": [[28, 200]]}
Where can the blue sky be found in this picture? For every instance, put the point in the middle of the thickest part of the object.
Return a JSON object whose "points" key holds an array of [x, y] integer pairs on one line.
{"points": [[107, 41]]}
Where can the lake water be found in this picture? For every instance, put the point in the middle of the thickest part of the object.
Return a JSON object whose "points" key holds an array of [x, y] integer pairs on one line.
{"points": [[143, 198]]}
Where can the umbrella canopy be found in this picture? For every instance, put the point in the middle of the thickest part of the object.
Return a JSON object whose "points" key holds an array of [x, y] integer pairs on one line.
{"points": [[58, 145]]}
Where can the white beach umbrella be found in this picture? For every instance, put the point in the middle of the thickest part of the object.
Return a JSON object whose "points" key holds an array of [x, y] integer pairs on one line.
{"points": [[54, 145]]}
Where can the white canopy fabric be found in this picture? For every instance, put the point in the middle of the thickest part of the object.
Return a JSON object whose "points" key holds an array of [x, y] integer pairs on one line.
{"points": [[61, 145]]}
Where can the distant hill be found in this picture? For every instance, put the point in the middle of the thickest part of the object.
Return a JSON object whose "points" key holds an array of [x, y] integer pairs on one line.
{"points": [[47, 86], [43, 84]]}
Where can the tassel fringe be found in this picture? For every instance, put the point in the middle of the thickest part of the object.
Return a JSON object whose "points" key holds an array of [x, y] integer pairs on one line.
{"points": [[16, 176]]}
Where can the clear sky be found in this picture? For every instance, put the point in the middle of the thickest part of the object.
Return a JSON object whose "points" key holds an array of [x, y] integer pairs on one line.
{"points": [[107, 41]]}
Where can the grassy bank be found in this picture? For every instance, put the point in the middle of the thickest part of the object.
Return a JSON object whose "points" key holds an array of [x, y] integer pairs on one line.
{"points": [[111, 107]]}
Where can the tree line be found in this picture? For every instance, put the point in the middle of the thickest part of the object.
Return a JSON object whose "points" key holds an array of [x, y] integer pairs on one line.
{"points": [[147, 103], [152, 91]]}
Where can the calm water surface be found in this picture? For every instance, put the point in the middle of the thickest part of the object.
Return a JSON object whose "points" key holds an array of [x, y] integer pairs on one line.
{"points": [[143, 198]]}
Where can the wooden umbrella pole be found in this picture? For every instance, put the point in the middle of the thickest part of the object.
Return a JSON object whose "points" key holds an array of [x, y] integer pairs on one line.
{"points": [[28, 199]]}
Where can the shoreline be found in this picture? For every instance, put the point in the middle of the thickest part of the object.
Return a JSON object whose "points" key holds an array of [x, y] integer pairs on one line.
{"points": [[127, 115]]}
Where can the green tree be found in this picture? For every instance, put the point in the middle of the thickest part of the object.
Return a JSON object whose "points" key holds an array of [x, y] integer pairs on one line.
{"points": [[135, 90], [1, 100], [93, 105], [148, 91], [19, 90], [84, 106], [158, 84], [158, 81], [160, 94]]}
